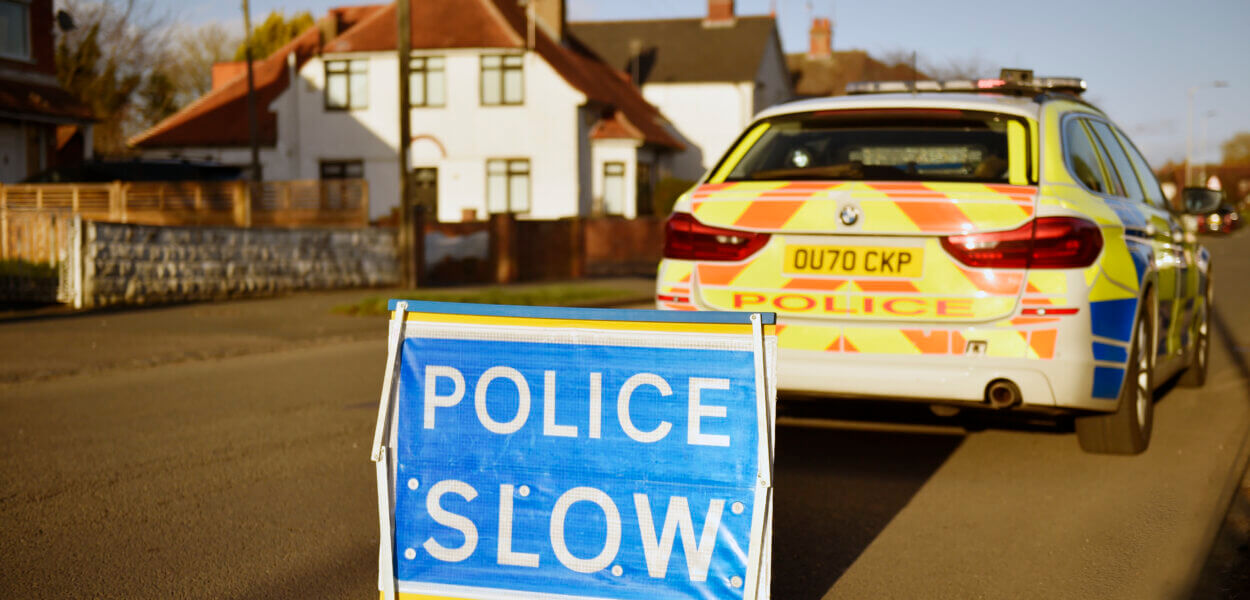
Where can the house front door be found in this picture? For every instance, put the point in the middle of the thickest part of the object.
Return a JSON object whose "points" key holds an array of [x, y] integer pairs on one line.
{"points": [[423, 185]]}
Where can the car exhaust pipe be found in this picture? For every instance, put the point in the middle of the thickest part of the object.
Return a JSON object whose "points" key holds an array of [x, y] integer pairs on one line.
{"points": [[1002, 393]]}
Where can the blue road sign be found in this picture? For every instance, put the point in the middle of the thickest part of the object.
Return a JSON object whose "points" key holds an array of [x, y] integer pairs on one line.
{"points": [[579, 458]]}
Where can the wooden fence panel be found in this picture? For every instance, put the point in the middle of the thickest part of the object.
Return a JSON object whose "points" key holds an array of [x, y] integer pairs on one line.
{"points": [[311, 203], [34, 217], [179, 203], [327, 203], [38, 236], [616, 246]]}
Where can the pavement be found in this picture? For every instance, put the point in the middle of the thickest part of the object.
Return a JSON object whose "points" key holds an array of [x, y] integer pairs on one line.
{"points": [[48, 343]]}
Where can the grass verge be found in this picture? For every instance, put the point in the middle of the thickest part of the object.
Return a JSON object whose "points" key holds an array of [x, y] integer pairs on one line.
{"points": [[22, 268], [558, 294]]}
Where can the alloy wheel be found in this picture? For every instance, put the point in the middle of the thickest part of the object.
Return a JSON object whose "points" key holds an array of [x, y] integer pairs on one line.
{"points": [[1143, 373]]}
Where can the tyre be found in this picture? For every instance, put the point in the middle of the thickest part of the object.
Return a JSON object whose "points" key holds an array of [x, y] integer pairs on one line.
{"points": [[1127, 430], [1196, 374]]}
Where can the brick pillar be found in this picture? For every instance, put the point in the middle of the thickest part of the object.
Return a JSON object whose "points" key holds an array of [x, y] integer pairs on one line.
{"points": [[577, 248], [503, 247]]}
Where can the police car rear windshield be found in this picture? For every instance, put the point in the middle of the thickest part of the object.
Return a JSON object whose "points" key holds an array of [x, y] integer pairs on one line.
{"points": [[882, 145]]}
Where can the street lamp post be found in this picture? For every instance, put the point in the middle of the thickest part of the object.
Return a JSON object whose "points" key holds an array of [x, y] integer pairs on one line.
{"points": [[1203, 158], [1189, 136], [252, 134]]}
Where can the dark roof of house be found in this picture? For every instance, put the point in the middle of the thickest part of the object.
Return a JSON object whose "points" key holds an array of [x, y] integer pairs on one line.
{"points": [[21, 98], [138, 170], [215, 118], [681, 50], [828, 76], [218, 118]]}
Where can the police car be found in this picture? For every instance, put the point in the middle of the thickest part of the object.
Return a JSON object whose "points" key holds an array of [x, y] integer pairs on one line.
{"points": [[996, 243]]}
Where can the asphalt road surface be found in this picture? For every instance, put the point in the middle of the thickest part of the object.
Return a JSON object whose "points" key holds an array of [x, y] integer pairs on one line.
{"points": [[219, 453]]}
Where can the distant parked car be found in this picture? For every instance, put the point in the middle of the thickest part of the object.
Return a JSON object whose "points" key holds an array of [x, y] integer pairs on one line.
{"points": [[1225, 219], [139, 170]]}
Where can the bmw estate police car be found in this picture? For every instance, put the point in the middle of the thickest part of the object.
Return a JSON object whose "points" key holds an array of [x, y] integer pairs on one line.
{"points": [[995, 243]]}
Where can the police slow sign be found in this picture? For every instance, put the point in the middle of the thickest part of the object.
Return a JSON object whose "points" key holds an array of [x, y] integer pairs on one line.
{"points": [[575, 453]]}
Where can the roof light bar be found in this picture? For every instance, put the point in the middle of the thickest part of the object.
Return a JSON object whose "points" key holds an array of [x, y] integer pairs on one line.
{"points": [[1018, 81]]}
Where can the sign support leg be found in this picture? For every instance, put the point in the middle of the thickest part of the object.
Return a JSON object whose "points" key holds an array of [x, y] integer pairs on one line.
{"points": [[388, 380], [382, 459], [386, 553]]}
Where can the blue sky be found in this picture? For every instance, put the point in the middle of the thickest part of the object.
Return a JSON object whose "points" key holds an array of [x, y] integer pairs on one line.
{"points": [[1139, 57]]}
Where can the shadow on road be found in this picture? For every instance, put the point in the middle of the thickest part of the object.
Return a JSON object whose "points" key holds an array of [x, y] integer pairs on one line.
{"points": [[836, 489], [347, 572], [1226, 574]]}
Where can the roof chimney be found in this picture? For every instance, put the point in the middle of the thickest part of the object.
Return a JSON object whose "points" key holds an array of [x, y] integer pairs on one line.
{"points": [[552, 17], [821, 38], [635, 61], [719, 12]]}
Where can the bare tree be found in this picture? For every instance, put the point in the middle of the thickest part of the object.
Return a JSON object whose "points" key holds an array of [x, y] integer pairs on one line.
{"points": [[192, 53], [969, 67], [106, 59], [897, 56]]}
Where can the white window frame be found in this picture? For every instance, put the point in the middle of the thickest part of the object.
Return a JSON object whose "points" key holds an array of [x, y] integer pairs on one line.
{"points": [[513, 168], [28, 51], [421, 69], [619, 177], [351, 67], [497, 67]]}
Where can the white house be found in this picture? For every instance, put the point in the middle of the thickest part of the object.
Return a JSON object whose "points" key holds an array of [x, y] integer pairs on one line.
{"points": [[709, 76], [509, 114]]}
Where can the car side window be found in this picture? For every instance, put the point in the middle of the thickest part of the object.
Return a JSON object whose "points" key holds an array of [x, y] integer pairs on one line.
{"points": [[1083, 157], [1120, 161], [1150, 185]]}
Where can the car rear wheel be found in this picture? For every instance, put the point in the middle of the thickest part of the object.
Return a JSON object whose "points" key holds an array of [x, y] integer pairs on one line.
{"points": [[1196, 374], [1127, 430]]}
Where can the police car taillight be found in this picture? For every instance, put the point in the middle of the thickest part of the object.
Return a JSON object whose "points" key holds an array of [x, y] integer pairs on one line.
{"points": [[686, 238], [1046, 243]]}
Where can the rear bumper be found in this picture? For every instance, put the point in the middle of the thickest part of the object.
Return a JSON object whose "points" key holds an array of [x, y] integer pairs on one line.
{"points": [[1061, 384]]}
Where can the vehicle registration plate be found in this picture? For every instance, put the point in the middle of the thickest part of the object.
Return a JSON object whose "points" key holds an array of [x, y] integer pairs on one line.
{"points": [[877, 261]]}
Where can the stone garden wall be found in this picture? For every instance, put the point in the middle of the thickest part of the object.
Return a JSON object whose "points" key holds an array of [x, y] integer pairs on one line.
{"points": [[144, 264]]}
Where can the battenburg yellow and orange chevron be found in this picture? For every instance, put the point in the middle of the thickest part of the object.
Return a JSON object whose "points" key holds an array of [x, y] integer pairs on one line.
{"points": [[935, 208], [906, 216]]}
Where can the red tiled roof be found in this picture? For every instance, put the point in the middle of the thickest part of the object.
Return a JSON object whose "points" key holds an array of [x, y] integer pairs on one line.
{"points": [[615, 126], [24, 98], [460, 24], [219, 118], [225, 72]]}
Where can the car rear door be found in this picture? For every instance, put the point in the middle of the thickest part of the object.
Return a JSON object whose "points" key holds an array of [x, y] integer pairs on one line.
{"points": [[1177, 272]]}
